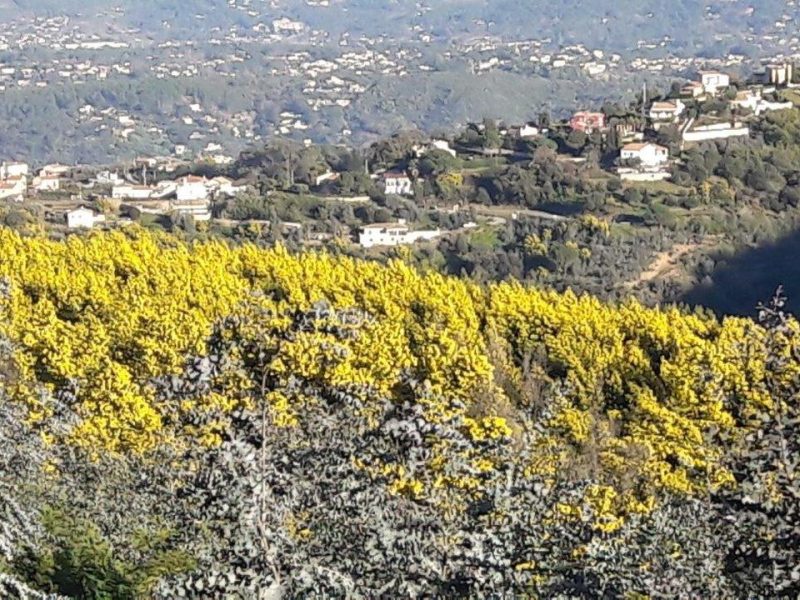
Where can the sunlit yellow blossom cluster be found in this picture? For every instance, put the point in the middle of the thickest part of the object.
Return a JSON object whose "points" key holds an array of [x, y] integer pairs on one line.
{"points": [[640, 390], [106, 314], [644, 388]]}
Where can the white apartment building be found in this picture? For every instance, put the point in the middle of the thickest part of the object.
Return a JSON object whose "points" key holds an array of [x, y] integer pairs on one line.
{"points": [[398, 184]]}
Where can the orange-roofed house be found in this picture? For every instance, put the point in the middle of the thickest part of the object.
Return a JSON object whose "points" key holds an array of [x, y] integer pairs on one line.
{"points": [[588, 122]]}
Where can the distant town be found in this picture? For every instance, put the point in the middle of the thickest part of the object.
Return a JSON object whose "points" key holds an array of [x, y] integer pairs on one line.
{"points": [[85, 196], [317, 79]]}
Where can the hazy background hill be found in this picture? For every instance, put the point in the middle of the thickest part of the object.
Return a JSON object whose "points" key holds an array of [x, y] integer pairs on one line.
{"points": [[427, 74], [610, 24]]}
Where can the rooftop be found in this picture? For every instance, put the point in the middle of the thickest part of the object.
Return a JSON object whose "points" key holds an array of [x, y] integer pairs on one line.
{"points": [[379, 226], [665, 105], [636, 147]]}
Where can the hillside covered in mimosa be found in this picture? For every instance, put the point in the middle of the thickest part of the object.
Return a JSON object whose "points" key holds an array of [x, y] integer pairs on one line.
{"points": [[210, 420]]}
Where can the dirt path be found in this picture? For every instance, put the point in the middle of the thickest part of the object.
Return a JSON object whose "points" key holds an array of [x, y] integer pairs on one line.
{"points": [[666, 264], [506, 211]]}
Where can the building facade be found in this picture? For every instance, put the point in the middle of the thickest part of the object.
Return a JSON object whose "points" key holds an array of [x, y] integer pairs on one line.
{"points": [[669, 110], [393, 234], [83, 218], [397, 184], [648, 155], [714, 81], [587, 122], [192, 188]]}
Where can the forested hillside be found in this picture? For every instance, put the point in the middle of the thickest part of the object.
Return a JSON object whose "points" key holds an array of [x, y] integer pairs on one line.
{"points": [[345, 71], [206, 420]]}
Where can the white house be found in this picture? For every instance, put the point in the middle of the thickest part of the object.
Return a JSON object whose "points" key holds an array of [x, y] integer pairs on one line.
{"points": [[528, 131], [444, 146], [20, 181], [169, 164], [285, 25], [648, 154], [149, 162], [714, 81], [223, 185], [747, 99], [13, 169], [392, 234], [47, 183], [108, 178], [383, 234], [192, 188], [54, 169], [398, 184], [327, 176], [754, 101], [693, 89], [421, 150], [668, 110], [83, 218], [163, 189], [13, 188]]}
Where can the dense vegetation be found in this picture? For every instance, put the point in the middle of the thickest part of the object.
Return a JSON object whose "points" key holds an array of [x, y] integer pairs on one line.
{"points": [[206, 420], [724, 198], [548, 210]]}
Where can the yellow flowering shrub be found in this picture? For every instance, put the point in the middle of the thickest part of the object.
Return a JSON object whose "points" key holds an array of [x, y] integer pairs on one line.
{"points": [[106, 314], [649, 387], [640, 390]]}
